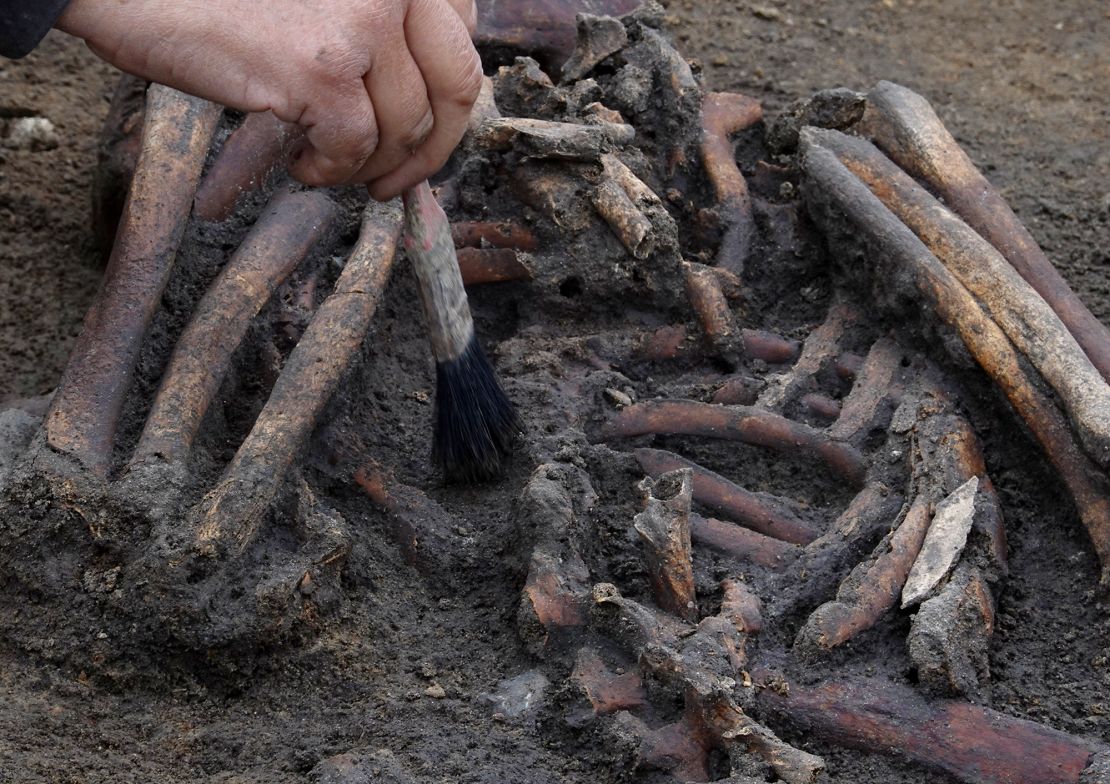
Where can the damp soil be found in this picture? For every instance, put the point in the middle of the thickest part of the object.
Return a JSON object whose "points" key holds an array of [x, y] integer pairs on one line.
{"points": [[398, 672]]}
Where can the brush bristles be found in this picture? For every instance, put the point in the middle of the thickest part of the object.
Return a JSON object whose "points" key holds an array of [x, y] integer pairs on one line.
{"points": [[475, 424]]}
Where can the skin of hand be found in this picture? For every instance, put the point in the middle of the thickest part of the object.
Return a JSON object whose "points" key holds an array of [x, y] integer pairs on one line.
{"points": [[382, 88]]}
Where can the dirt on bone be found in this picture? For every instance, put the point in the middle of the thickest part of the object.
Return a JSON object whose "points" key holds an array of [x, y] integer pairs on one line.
{"points": [[403, 656]]}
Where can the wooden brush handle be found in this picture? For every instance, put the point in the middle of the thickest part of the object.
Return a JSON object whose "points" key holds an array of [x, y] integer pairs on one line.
{"points": [[429, 246]]}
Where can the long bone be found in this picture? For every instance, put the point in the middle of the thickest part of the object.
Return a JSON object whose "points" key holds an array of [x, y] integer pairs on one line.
{"points": [[907, 129], [229, 516], [1088, 485], [1026, 319], [82, 419], [287, 230]]}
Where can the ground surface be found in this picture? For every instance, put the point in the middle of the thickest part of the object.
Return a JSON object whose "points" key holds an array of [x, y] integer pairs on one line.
{"points": [[1022, 88]]}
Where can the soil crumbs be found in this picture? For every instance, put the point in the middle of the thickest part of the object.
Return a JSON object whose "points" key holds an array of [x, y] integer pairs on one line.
{"points": [[400, 676]]}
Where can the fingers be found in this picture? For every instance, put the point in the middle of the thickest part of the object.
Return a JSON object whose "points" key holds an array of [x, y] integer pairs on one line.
{"points": [[405, 119], [341, 133], [452, 71], [468, 13]]}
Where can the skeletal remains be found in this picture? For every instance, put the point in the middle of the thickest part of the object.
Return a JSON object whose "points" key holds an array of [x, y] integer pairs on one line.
{"points": [[922, 246]]}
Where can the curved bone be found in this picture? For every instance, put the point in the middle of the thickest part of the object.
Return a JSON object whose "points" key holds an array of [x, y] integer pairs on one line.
{"points": [[284, 234], [176, 136], [230, 515], [905, 126]]}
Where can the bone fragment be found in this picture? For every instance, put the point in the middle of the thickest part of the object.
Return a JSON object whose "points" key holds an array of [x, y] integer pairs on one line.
{"points": [[287, 230], [548, 139], [722, 115], [833, 187], [229, 516], [664, 529], [703, 289], [949, 640], [874, 396], [491, 265], [905, 127], [760, 512], [820, 349], [1013, 304], [973, 744], [741, 543], [82, 419], [598, 37], [248, 157], [943, 543], [605, 691], [621, 198], [741, 606], [736, 423], [821, 406], [495, 234], [871, 590]]}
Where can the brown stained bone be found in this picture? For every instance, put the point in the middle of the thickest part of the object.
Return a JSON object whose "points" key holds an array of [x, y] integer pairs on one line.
{"points": [[597, 38], [741, 606], [848, 365], [176, 136], [284, 234], [736, 423], [973, 744], [820, 405], [769, 347], [722, 115], [626, 204], [420, 526], [699, 663], [1028, 321], [738, 390], [252, 151], [491, 265], [495, 234], [117, 153], [949, 640], [762, 513], [820, 349], [742, 544], [833, 185], [230, 514], [664, 529], [545, 28], [606, 691], [549, 139], [907, 129], [874, 395], [703, 288], [871, 590]]}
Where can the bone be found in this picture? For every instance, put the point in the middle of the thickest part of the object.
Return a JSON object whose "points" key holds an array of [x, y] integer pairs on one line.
{"points": [[738, 390], [598, 37], [949, 640], [762, 513], [491, 265], [495, 234], [422, 528], [742, 544], [251, 153], [548, 139], [973, 744], [741, 606], [832, 185], [874, 395], [736, 423], [907, 129], [281, 238], [698, 663], [230, 515], [821, 406], [703, 288], [1027, 320], [621, 198], [117, 153], [664, 529], [871, 590], [82, 419], [943, 543], [820, 349], [769, 347], [722, 115], [605, 691]]}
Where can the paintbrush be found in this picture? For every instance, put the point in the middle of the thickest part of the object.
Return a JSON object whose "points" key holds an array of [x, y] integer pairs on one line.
{"points": [[474, 422]]}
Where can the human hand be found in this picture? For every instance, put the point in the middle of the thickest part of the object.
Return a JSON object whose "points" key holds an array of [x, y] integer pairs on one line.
{"points": [[382, 88]]}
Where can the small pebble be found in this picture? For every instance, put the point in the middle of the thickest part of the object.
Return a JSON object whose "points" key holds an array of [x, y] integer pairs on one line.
{"points": [[31, 133], [618, 398], [435, 691]]}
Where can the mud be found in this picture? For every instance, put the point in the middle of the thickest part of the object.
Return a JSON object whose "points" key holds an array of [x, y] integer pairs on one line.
{"points": [[401, 676]]}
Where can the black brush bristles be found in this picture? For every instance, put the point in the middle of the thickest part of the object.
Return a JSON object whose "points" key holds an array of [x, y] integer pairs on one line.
{"points": [[475, 424]]}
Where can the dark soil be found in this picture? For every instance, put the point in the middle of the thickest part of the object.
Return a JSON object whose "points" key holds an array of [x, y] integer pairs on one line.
{"points": [[396, 674]]}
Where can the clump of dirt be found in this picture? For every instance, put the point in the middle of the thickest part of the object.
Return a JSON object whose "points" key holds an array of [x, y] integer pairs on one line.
{"points": [[423, 674]]}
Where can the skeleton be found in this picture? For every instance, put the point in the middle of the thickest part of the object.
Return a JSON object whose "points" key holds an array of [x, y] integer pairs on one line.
{"points": [[195, 532]]}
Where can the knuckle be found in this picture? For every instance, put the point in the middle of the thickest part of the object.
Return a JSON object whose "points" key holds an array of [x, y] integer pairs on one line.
{"points": [[469, 79], [416, 133]]}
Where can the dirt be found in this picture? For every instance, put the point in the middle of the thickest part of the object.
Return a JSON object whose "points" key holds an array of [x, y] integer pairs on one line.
{"points": [[396, 671]]}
